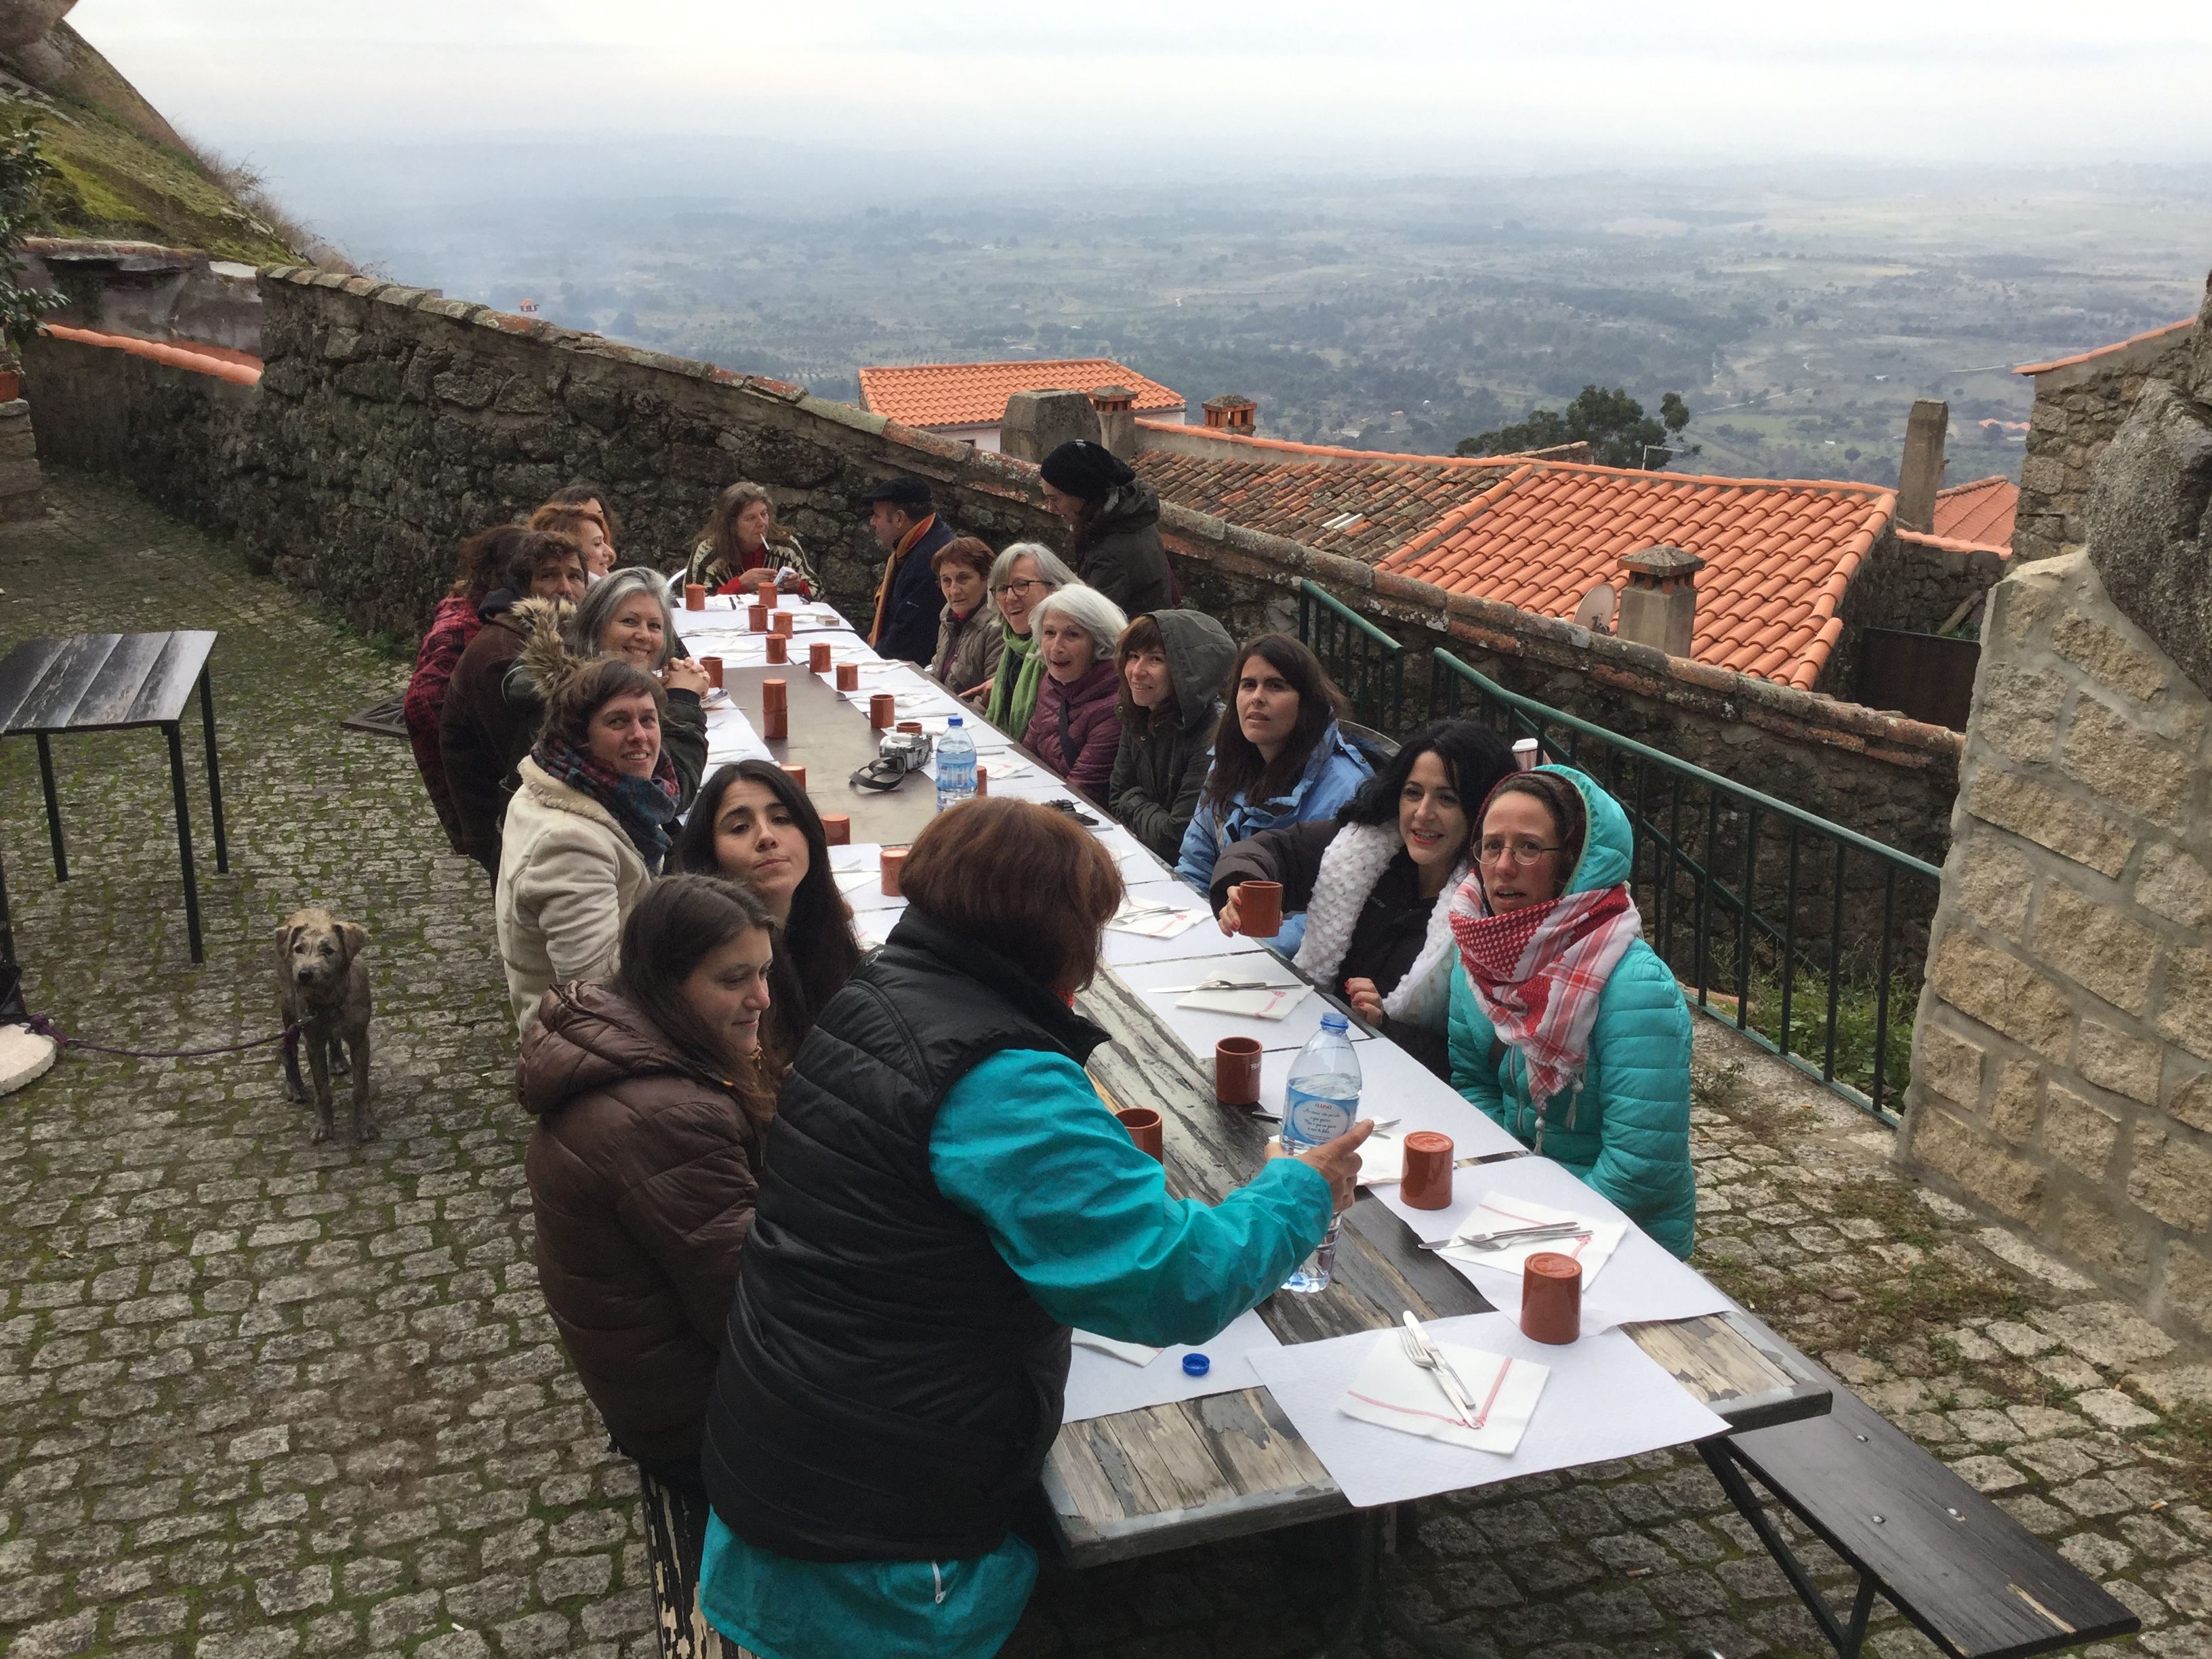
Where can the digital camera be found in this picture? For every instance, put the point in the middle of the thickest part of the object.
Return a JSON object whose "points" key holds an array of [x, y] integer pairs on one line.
{"points": [[909, 751]]}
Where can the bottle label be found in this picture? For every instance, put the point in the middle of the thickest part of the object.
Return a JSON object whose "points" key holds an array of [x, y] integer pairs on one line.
{"points": [[1314, 1120]]}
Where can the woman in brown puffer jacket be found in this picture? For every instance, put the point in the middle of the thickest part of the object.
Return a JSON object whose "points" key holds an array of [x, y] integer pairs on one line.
{"points": [[652, 1112]]}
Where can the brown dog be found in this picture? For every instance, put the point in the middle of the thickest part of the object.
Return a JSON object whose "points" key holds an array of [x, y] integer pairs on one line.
{"points": [[324, 992]]}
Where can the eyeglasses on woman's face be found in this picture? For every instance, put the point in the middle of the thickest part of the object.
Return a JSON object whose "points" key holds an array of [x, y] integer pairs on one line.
{"points": [[1019, 587], [1498, 850]]}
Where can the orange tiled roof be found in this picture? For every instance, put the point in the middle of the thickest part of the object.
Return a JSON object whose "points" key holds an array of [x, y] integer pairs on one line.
{"points": [[975, 394], [1539, 535], [1980, 513], [2106, 350]]}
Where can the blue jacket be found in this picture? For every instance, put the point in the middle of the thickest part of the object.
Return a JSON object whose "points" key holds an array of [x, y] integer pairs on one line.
{"points": [[1624, 1128], [1334, 773]]}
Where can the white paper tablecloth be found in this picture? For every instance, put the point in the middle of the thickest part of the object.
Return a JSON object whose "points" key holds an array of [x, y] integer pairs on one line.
{"points": [[1099, 1386], [1197, 1029], [1604, 1399]]}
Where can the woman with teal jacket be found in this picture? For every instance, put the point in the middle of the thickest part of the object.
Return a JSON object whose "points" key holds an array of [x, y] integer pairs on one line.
{"points": [[1566, 1027]]}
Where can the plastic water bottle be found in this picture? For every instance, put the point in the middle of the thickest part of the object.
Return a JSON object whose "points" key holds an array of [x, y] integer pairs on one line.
{"points": [[1322, 1102], [956, 765]]}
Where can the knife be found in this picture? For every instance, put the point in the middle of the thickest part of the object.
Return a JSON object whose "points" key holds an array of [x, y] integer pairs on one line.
{"points": [[1447, 1378], [1505, 1237]]}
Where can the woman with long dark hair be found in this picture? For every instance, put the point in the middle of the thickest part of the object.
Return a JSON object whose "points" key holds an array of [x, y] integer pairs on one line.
{"points": [[1114, 524], [1374, 882], [752, 823], [1566, 1028], [742, 537], [652, 1109], [487, 567], [1279, 757], [944, 1197]]}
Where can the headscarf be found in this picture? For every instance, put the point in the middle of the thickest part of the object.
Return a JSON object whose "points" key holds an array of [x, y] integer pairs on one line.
{"points": [[1080, 467], [1014, 691], [644, 807], [1538, 971]]}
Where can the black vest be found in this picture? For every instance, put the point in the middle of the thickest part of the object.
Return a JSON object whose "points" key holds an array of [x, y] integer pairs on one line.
{"points": [[889, 1390]]}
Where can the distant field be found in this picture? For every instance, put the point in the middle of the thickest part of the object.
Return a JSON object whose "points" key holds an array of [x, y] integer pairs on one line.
{"points": [[1799, 316]]}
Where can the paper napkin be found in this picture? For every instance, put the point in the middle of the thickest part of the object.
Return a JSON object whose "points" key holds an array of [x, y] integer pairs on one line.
{"points": [[1391, 1390], [1273, 1002], [1135, 1352], [1498, 1211]]}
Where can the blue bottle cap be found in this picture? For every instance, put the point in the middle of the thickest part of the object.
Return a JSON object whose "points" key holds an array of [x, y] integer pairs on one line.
{"points": [[1196, 1365], [951, 720], [1333, 1021]]}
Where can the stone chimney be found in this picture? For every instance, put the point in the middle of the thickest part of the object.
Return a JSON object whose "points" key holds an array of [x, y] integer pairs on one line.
{"points": [[1659, 606], [1921, 474], [1117, 419], [1037, 423], [1230, 413]]}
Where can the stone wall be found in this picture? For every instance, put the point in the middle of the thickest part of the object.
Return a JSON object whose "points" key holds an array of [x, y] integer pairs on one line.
{"points": [[2079, 405], [1910, 581], [391, 421], [2063, 1060]]}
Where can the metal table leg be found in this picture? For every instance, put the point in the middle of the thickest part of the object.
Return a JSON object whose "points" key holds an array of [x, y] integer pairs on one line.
{"points": [[171, 730], [215, 774], [1846, 1640], [53, 808], [1365, 1529]]}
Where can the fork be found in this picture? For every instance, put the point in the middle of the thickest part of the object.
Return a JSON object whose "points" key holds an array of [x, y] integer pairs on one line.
{"points": [[1506, 1237], [1415, 1341]]}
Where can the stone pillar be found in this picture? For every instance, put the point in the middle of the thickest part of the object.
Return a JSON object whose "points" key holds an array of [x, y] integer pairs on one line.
{"points": [[1230, 413], [1921, 473], [20, 497], [1117, 419], [1659, 605], [1037, 423]]}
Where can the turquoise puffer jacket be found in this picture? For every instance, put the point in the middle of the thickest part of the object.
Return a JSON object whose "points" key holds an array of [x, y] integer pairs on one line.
{"points": [[1624, 1128]]}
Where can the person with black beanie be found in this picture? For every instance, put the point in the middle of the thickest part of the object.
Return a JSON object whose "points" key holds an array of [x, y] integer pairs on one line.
{"points": [[1115, 526]]}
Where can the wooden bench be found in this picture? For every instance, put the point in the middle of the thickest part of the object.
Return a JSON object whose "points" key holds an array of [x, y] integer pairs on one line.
{"points": [[1976, 1582]]}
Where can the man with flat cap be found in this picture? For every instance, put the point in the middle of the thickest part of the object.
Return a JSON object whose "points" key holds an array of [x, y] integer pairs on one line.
{"points": [[907, 601], [1114, 520]]}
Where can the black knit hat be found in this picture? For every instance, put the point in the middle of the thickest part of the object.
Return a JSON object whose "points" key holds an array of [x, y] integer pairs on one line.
{"points": [[1082, 468]]}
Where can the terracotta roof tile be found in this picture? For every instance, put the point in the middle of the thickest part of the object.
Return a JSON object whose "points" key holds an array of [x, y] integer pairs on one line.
{"points": [[1980, 513], [1539, 534], [2147, 335], [975, 394]]}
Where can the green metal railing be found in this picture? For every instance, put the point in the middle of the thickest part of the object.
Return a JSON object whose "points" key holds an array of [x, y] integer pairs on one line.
{"points": [[1368, 665], [1743, 891]]}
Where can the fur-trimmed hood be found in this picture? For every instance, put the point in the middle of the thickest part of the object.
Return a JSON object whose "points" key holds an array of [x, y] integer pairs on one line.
{"points": [[548, 662]]}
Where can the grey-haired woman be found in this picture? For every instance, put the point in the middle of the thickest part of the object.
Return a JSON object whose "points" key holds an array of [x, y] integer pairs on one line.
{"points": [[1023, 573], [1076, 727], [625, 615]]}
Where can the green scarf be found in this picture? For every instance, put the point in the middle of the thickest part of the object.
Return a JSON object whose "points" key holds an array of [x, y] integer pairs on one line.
{"points": [[1014, 692]]}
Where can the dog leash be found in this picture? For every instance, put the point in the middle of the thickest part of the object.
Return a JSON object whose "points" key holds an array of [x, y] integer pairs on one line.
{"points": [[289, 1037]]}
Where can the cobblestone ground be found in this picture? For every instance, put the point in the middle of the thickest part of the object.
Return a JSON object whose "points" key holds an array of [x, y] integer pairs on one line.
{"points": [[260, 1398]]}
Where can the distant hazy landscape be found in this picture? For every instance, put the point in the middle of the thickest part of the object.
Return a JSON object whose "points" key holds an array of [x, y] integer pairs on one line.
{"points": [[1799, 311]]}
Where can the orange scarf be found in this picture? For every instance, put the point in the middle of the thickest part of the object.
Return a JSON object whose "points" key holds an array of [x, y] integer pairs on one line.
{"points": [[891, 576]]}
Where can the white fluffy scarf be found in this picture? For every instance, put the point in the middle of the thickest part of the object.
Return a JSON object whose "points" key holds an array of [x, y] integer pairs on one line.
{"points": [[1352, 863]]}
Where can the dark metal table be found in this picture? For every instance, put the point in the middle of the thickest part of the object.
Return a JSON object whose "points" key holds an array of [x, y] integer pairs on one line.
{"points": [[111, 682]]}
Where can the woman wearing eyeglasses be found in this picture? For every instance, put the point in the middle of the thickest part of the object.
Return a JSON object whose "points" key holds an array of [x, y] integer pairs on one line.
{"points": [[1020, 578], [1565, 1026]]}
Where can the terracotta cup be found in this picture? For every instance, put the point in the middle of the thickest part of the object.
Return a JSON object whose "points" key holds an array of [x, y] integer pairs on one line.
{"points": [[775, 694], [695, 596], [781, 623], [982, 781], [894, 861], [837, 829], [914, 726], [1237, 1071], [712, 668], [1552, 1298], [1260, 909], [776, 724], [849, 677], [882, 711], [779, 647], [756, 618], [765, 589], [797, 773], [1146, 1128], [818, 657], [1427, 1182]]}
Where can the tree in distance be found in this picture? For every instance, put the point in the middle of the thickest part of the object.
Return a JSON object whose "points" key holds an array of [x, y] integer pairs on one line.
{"points": [[1613, 423]]}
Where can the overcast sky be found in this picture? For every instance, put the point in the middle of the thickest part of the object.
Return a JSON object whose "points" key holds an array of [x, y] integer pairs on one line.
{"points": [[1432, 83]]}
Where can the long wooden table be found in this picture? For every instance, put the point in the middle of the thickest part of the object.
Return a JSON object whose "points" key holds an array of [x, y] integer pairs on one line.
{"points": [[1231, 1464]]}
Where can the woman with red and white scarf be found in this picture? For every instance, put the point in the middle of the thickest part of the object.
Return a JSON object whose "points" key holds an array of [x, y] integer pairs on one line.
{"points": [[1566, 1027]]}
